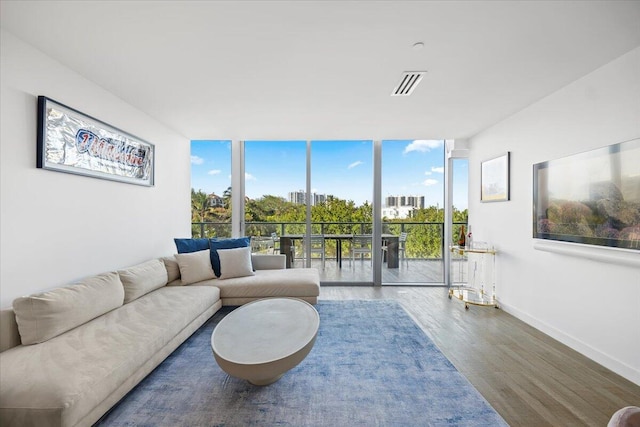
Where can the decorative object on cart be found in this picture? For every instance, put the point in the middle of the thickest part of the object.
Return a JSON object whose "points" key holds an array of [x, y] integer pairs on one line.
{"points": [[462, 238], [599, 205], [73, 142], [494, 179]]}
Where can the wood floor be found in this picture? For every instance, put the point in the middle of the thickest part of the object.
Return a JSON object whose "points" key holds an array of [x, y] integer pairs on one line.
{"points": [[528, 377]]}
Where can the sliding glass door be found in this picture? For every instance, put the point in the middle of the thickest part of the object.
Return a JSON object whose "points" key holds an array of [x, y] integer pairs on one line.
{"points": [[413, 211], [275, 200], [314, 202], [341, 210]]}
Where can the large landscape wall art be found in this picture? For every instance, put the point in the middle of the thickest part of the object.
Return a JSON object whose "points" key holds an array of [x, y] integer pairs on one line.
{"points": [[591, 197]]}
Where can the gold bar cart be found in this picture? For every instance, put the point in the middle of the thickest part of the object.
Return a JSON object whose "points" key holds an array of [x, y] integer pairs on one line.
{"points": [[476, 275]]}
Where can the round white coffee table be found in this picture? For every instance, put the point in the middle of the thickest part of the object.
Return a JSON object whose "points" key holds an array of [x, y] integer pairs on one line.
{"points": [[263, 339]]}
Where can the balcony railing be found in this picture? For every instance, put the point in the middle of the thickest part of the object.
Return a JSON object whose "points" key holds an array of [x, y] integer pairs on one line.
{"points": [[424, 241]]}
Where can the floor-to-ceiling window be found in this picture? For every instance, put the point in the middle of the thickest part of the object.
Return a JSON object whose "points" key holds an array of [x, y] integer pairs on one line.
{"points": [[210, 188], [275, 199], [312, 201], [413, 211], [336, 199], [341, 211]]}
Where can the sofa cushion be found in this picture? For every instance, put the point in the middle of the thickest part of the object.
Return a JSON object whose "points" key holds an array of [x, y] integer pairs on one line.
{"points": [[292, 282], [215, 244], [258, 262], [59, 382], [185, 246], [195, 267], [9, 334], [269, 261], [173, 269], [45, 315], [208, 282], [142, 279], [235, 263]]}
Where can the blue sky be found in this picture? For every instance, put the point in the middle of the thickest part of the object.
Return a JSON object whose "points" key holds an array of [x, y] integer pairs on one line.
{"points": [[340, 168]]}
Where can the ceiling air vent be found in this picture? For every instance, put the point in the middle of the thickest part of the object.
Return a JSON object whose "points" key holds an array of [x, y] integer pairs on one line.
{"points": [[408, 83]]}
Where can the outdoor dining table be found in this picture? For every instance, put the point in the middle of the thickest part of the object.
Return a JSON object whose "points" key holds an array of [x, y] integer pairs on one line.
{"points": [[391, 241]]}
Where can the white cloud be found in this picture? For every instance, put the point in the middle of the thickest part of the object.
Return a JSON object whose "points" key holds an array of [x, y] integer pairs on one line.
{"points": [[249, 177], [422, 145], [195, 160], [354, 164], [214, 172], [434, 169], [428, 182]]}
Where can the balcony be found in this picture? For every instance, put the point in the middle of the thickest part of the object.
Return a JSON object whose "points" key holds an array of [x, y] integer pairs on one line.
{"points": [[422, 263]]}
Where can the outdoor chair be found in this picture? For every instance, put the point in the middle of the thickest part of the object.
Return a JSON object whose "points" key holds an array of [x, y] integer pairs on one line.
{"points": [[316, 246], [360, 245], [402, 254], [276, 242]]}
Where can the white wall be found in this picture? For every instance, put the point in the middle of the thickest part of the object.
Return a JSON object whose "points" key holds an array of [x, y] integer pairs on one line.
{"points": [[56, 227], [592, 306]]}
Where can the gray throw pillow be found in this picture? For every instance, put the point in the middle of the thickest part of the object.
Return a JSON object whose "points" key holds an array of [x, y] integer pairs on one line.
{"points": [[195, 267], [235, 263], [142, 279]]}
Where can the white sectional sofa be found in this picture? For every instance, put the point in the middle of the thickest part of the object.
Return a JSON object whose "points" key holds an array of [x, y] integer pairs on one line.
{"points": [[270, 279], [68, 355]]}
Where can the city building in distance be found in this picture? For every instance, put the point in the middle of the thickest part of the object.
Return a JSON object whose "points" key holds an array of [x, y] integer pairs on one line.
{"points": [[300, 198], [401, 206]]}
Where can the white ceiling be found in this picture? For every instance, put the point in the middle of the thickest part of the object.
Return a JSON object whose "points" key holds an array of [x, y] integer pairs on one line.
{"points": [[326, 69]]}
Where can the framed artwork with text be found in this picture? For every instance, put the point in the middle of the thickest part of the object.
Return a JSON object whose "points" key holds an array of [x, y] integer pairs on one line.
{"points": [[73, 142]]}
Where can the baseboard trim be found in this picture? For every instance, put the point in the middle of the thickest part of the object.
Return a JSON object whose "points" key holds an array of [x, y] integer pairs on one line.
{"points": [[597, 356]]}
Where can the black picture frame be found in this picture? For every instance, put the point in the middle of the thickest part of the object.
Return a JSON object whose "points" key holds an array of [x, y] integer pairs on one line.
{"points": [[72, 142]]}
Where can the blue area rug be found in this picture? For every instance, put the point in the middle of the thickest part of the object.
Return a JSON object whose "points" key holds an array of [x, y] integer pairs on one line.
{"points": [[371, 366]]}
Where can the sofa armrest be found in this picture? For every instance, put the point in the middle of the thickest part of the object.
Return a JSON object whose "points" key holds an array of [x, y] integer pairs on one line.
{"points": [[268, 262]]}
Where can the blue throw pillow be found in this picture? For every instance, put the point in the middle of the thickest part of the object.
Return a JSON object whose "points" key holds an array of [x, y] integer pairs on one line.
{"points": [[214, 244], [185, 246]]}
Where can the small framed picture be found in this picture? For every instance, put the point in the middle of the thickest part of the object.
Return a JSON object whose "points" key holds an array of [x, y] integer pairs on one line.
{"points": [[494, 179], [73, 142]]}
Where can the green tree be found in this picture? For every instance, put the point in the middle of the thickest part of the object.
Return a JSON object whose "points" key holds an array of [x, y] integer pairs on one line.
{"points": [[226, 198], [265, 209], [217, 220], [335, 216], [199, 206]]}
